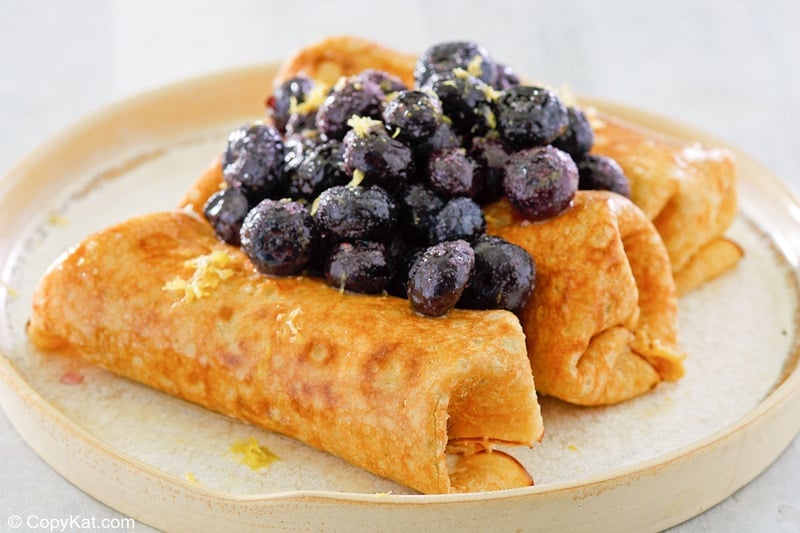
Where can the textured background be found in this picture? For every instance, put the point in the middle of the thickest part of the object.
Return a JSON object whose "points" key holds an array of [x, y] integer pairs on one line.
{"points": [[730, 68]]}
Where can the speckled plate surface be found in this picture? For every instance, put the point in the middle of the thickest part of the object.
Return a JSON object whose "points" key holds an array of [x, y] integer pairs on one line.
{"points": [[646, 464]]}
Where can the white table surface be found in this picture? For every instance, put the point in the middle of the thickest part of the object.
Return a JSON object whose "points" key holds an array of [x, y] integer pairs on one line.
{"points": [[731, 68]]}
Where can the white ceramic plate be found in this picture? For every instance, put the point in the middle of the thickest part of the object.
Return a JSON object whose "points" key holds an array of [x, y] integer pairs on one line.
{"points": [[646, 464]]}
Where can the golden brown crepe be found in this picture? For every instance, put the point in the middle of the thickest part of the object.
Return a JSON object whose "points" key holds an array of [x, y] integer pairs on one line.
{"points": [[601, 323], [160, 300], [334, 57], [688, 190]]}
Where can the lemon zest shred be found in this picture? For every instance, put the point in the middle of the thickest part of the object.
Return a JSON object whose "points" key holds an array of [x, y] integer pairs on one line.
{"points": [[209, 271], [474, 66], [315, 98], [358, 177], [252, 454], [362, 125]]}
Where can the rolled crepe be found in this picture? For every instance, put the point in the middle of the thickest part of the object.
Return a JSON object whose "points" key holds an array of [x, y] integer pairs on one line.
{"points": [[160, 300], [601, 323], [688, 190]]}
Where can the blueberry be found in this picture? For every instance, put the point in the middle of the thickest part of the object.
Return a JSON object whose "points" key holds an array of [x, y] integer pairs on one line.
{"points": [[279, 237], [490, 156], [319, 170], [349, 97], [504, 276], [442, 137], [359, 267], [387, 82], [414, 115], [578, 138], [460, 218], [506, 78], [444, 57], [280, 103], [302, 122], [438, 277], [466, 101], [296, 147], [383, 161], [530, 116], [600, 172], [346, 213], [540, 182], [452, 172], [418, 206], [253, 160], [225, 211]]}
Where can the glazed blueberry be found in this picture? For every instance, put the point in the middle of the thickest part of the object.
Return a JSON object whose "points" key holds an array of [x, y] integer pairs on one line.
{"points": [[418, 206], [452, 172], [280, 103], [540, 182], [438, 277], [349, 97], [383, 161], [414, 115], [253, 160], [319, 170], [466, 101], [296, 147], [443, 137], [362, 266], [504, 276], [530, 116], [600, 172], [279, 237], [506, 78], [444, 57], [490, 156], [387, 82], [346, 213], [302, 122], [460, 218], [225, 211], [578, 138]]}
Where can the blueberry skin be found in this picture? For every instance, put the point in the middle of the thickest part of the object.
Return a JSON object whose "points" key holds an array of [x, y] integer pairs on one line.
{"points": [[295, 148], [460, 218], [279, 237], [504, 277], [363, 267], [345, 213], [418, 206], [384, 161], [540, 182], [578, 138], [442, 58], [506, 78], [321, 168], [280, 102], [225, 210], [388, 83], [490, 156], [415, 115], [452, 172], [465, 100], [253, 161], [439, 276], [530, 116], [604, 173], [353, 97]]}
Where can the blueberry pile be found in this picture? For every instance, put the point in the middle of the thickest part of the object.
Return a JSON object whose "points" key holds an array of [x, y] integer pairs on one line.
{"points": [[377, 187]]}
